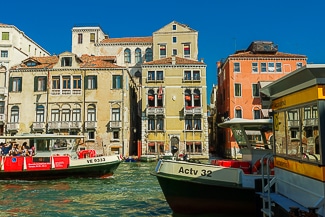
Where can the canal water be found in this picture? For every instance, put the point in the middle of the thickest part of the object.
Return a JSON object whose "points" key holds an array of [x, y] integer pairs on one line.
{"points": [[132, 192]]}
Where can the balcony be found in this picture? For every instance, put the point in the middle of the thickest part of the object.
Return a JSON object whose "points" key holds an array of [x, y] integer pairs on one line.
{"points": [[76, 125], [3, 91], [13, 126], [293, 123], [67, 125], [38, 126], [189, 110], [115, 124], [155, 110], [310, 122], [91, 124]]}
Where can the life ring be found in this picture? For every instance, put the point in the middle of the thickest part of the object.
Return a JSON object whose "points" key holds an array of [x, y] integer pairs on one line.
{"points": [[257, 166]]}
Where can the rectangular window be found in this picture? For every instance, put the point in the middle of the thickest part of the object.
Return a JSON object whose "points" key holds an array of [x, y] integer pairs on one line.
{"points": [[92, 37], [256, 90], [236, 67], [238, 113], [187, 51], [4, 53], [160, 123], [196, 75], [2, 107], [160, 75], [91, 135], [5, 35], [80, 38], [278, 67], [257, 114], [174, 39], [263, 67], [237, 89], [91, 82], [56, 82], [55, 115], [151, 75], [270, 67], [187, 75], [116, 135], [117, 81], [66, 61], [41, 83], [116, 114], [66, 115], [76, 82], [174, 52], [188, 124], [255, 67], [197, 124], [16, 84], [162, 51], [66, 82], [174, 27]]}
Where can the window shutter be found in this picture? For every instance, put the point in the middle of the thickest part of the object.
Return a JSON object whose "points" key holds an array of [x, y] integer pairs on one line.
{"points": [[95, 84], [10, 84], [86, 82], [20, 88], [35, 83]]}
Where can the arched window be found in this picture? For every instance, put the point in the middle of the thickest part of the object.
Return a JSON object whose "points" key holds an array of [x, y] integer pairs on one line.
{"points": [[151, 98], [14, 118], [138, 58], [160, 94], [197, 97], [238, 112], [188, 98], [39, 113], [127, 55], [91, 113], [148, 55], [257, 113]]}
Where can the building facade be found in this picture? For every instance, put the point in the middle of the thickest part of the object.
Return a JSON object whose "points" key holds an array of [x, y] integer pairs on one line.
{"points": [[67, 94], [174, 107], [15, 46], [240, 77]]}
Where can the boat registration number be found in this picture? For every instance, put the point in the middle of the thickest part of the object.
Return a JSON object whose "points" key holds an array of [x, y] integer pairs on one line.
{"points": [[191, 171], [96, 160]]}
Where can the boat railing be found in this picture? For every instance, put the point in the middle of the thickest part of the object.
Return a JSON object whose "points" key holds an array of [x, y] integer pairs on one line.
{"points": [[266, 177]]}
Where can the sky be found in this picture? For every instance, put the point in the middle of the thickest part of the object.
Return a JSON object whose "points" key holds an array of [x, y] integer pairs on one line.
{"points": [[296, 26]]}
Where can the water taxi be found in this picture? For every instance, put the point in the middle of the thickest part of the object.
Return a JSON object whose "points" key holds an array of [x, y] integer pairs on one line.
{"points": [[51, 156], [298, 104], [225, 186]]}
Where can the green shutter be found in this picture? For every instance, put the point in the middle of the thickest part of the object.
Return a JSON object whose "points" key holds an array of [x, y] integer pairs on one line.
{"points": [[95, 80], [86, 82], [10, 84], [35, 83], [20, 88]]}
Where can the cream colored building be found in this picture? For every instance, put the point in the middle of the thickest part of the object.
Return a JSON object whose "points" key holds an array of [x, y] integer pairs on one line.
{"points": [[67, 94], [174, 107], [15, 46]]}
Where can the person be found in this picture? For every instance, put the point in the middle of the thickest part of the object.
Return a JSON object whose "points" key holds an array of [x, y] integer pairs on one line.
{"points": [[25, 151], [14, 151], [1, 148]]}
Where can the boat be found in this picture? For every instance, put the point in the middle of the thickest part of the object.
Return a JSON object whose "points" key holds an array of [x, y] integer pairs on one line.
{"points": [[148, 158], [52, 156], [225, 186], [298, 111]]}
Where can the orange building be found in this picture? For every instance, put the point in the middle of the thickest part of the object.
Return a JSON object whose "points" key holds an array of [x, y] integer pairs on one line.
{"points": [[240, 78]]}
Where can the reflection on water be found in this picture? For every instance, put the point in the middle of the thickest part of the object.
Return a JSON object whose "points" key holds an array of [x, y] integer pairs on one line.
{"points": [[131, 192]]}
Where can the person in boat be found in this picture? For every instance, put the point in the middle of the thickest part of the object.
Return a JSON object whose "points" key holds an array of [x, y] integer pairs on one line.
{"points": [[14, 150], [1, 148], [25, 150]]}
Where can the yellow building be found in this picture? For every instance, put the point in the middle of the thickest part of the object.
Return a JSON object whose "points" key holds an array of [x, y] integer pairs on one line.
{"points": [[67, 94], [174, 107]]}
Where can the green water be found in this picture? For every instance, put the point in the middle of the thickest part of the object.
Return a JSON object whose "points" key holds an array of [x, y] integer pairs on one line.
{"points": [[131, 192]]}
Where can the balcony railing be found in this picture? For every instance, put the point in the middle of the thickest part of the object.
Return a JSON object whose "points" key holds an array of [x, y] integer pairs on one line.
{"points": [[310, 122], [155, 110], [38, 126], [189, 110], [91, 124], [13, 126], [64, 125], [115, 124], [75, 125]]}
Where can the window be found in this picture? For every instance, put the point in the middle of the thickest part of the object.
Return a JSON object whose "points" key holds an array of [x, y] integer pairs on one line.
{"points": [[151, 75], [138, 58], [155, 75], [196, 75], [92, 37], [187, 50], [116, 135], [270, 67], [116, 114], [155, 123], [174, 39], [190, 75], [263, 67], [2, 107], [66, 82], [4, 53], [257, 113], [236, 67], [66, 61], [5, 35], [39, 113], [162, 51], [299, 65], [255, 67], [66, 115], [91, 135], [148, 55], [91, 114], [192, 124], [237, 89], [76, 114], [55, 115], [80, 38], [160, 123], [256, 90], [56, 82], [197, 124], [14, 118], [15, 84], [91, 82], [160, 75], [117, 81], [238, 113], [187, 75], [175, 52], [76, 82], [127, 55], [278, 67], [30, 64], [174, 27], [151, 122], [40, 83]]}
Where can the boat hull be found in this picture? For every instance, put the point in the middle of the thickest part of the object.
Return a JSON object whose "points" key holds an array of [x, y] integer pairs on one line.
{"points": [[83, 168], [191, 188]]}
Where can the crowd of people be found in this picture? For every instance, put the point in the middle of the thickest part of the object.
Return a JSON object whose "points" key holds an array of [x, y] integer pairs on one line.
{"points": [[14, 149]]}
